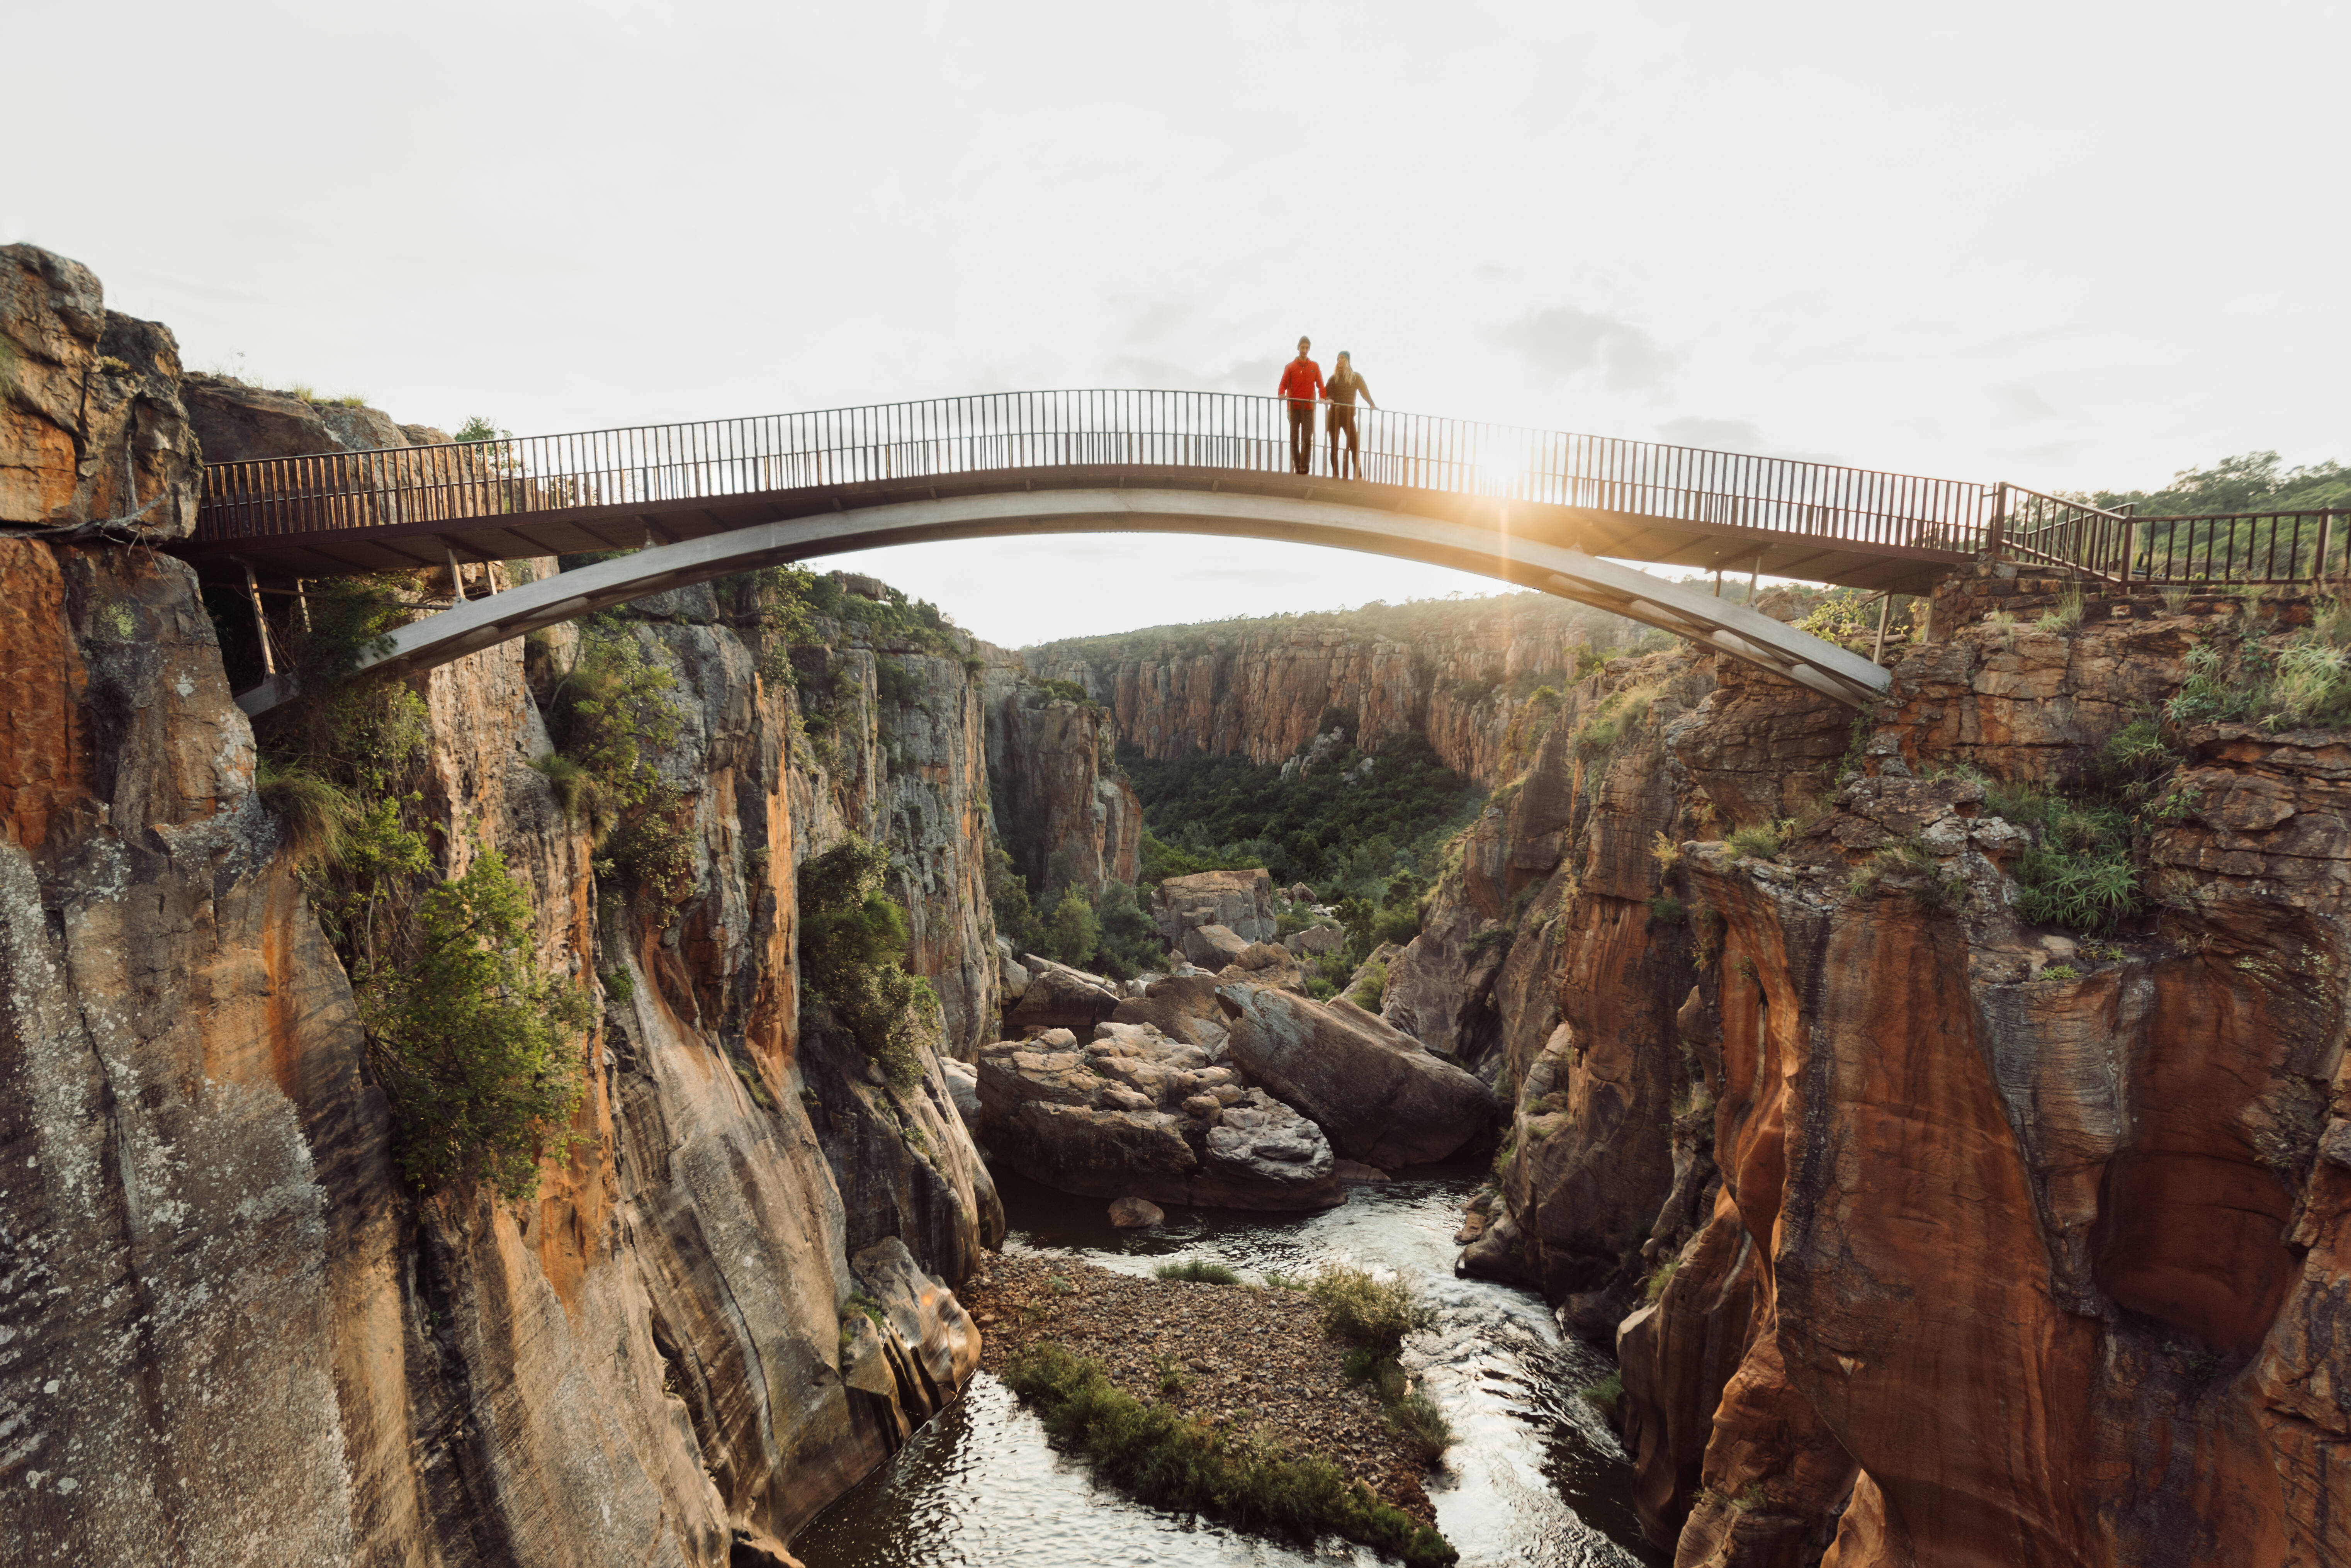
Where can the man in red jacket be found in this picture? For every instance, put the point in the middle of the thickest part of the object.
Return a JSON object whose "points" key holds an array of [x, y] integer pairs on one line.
{"points": [[1302, 383]]}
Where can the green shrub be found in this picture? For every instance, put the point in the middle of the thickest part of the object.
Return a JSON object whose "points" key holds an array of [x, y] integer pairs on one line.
{"points": [[2080, 871], [1007, 896], [1480, 941], [476, 1047], [1763, 843], [1130, 944], [1605, 1395], [2304, 683], [1660, 1277], [1372, 990], [1170, 1462], [1667, 911], [1198, 1271], [1071, 931], [1065, 692], [853, 952], [2059, 972], [1362, 1308]]}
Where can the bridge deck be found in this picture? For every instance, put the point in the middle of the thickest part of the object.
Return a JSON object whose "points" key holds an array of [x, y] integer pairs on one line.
{"points": [[1699, 544], [610, 489]]}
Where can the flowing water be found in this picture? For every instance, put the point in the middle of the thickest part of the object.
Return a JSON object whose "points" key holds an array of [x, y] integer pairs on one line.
{"points": [[1534, 1478]]}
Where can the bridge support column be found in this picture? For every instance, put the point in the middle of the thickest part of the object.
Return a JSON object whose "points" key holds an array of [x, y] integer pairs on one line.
{"points": [[260, 622]]}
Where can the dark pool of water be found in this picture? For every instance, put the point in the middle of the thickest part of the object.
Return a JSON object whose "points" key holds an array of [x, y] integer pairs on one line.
{"points": [[1535, 1477]]}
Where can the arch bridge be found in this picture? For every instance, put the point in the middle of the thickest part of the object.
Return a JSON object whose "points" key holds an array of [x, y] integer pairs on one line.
{"points": [[692, 502]]}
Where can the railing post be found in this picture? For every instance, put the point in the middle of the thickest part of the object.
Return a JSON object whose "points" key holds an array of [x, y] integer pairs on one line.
{"points": [[1996, 537], [2325, 532]]}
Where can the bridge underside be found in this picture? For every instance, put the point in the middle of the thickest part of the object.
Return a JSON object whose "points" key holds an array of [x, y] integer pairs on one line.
{"points": [[1665, 542], [1480, 546]]}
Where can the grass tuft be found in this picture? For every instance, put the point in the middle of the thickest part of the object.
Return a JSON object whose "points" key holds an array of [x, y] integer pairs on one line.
{"points": [[1364, 1310], [1198, 1271], [1762, 842], [315, 817]]}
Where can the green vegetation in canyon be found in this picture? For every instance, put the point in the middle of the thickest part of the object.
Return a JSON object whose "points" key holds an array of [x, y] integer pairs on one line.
{"points": [[1375, 1315], [852, 949], [475, 1047], [1163, 1458], [1345, 828]]}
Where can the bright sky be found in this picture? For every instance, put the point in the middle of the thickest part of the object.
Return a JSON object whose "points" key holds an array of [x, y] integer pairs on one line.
{"points": [[2061, 243]]}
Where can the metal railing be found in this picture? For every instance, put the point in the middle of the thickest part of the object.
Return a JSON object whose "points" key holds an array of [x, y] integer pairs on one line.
{"points": [[717, 459], [2229, 546], [2243, 547]]}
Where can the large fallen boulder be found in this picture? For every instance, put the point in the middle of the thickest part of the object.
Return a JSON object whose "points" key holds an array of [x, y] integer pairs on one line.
{"points": [[1214, 946], [1184, 1006], [1058, 997], [1239, 901], [1136, 1113], [1381, 1097]]}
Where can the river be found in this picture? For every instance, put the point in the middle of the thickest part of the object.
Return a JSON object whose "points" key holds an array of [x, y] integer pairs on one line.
{"points": [[1535, 1477]]}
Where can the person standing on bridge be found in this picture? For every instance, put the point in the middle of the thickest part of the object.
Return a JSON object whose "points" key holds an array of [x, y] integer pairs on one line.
{"points": [[1302, 383], [1345, 387]]}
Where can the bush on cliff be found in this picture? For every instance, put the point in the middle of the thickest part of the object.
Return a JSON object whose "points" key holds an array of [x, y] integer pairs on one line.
{"points": [[476, 1047], [1162, 1458], [853, 952]]}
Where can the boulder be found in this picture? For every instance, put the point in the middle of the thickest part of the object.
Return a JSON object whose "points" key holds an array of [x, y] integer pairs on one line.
{"points": [[925, 1347], [1298, 893], [1381, 1099], [1315, 939], [92, 426], [963, 1088], [1136, 1113], [1239, 901], [1058, 997], [1014, 976], [1184, 1006], [1135, 1213], [1214, 946], [1355, 1173]]}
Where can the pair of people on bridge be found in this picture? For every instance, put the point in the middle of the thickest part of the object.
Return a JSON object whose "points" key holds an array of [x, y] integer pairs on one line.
{"points": [[1301, 382]]}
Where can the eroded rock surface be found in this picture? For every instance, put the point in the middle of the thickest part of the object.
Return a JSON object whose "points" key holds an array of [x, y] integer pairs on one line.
{"points": [[1136, 1112], [1383, 1098]]}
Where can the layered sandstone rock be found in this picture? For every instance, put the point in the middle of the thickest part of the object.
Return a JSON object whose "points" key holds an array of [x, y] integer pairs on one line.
{"points": [[1134, 1113], [1382, 1100], [1261, 689], [1059, 997], [1066, 816], [92, 428], [2087, 1222], [1238, 902]]}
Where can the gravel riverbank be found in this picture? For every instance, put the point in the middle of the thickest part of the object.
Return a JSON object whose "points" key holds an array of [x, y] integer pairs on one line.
{"points": [[1248, 1359]]}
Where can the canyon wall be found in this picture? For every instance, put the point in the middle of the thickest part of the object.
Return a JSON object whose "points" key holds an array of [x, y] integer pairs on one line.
{"points": [[1927, 1235], [235, 1333], [1259, 688]]}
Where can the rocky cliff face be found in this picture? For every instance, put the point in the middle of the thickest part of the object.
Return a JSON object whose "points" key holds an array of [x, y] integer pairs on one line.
{"points": [[1967, 1241], [93, 433], [1260, 688], [655, 1358], [1065, 813], [646, 1360]]}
